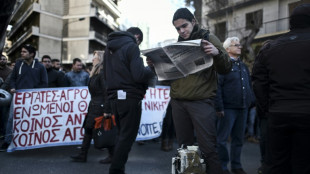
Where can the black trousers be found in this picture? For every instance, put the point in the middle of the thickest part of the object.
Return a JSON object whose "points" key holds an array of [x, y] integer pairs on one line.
{"points": [[168, 127], [198, 117], [127, 116], [288, 142]]}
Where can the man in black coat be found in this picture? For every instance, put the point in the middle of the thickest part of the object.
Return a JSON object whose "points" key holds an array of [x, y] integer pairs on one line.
{"points": [[281, 79], [127, 80], [55, 78]]}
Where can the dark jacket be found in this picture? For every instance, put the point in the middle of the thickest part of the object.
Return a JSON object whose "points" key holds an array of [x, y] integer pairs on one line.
{"points": [[281, 74], [98, 103], [26, 76], [234, 89], [203, 84], [124, 69], [55, 78], [4, 72]]}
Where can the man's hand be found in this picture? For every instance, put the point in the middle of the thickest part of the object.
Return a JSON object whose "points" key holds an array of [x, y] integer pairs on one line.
{"points": [[107, 115], [209, 48], [13, 90], [220, 114]]}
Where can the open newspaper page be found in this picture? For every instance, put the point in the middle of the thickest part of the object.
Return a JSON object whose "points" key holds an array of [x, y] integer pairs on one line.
{"points": [[179, 59], [165, 69]]}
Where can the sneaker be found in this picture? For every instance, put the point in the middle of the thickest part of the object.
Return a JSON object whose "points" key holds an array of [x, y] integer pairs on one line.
{"points": [[107, 160], [252, 139], [238, 171]]}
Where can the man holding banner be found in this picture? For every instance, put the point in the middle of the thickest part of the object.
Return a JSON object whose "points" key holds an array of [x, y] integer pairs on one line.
{"points": [[127, 80], [27, 74]]}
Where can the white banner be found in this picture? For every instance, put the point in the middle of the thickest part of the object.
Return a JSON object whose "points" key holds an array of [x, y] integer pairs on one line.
{"points": [[54, 116]]}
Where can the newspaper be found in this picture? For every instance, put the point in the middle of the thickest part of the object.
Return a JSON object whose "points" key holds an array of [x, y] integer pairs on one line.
{"points": [[178, 60]]}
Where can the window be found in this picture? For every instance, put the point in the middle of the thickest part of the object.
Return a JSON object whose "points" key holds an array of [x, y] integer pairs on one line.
{"points": [[254, 20], [220, 31]]}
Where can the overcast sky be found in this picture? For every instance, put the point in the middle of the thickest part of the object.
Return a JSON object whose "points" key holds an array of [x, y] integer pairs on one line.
{"points": [[157, 14]]}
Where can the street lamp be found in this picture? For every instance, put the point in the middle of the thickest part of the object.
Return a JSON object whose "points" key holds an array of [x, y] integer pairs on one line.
{"points": [[62, 37]]}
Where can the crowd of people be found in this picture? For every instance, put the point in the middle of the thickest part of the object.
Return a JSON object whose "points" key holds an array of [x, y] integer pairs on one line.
{"points": [[209, 108]]}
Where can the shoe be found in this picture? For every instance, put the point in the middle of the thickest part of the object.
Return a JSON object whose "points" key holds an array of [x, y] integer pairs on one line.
{"points": [[4, 147], [226, 172], [238, 171], [81, 157], [252, 139], [107, 160]]}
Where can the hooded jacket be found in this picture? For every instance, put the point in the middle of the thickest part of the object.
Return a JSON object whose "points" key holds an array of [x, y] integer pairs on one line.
{"points": [[123, 66], [26, 76], [203, 84], [281, 72]]}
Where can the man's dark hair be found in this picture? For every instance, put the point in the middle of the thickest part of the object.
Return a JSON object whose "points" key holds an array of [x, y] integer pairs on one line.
{"points": [[76, 60], [183, 13], [30, 49], [46, 57], [136, 31], [300, 17], [55, 60]]}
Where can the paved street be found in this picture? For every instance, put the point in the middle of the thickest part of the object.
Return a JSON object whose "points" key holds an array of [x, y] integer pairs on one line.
{"points": [[143, 159]]}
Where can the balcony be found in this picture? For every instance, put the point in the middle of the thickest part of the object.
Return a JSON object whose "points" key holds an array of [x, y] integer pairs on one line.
{"points": [[274, 28], [96, 14], [216, 11], [23, 18], [22, 39]]}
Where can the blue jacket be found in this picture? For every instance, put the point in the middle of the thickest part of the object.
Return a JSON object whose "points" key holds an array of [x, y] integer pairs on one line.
{"points": [[234, 89], [77, 78], [26, 76]]}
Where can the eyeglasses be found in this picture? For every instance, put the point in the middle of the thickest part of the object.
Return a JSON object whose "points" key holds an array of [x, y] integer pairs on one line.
{"points": [[236, 45], [2, 59]]}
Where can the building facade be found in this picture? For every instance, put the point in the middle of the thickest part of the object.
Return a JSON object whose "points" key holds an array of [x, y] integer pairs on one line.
{"points": [[239, 18], [63, 29]]}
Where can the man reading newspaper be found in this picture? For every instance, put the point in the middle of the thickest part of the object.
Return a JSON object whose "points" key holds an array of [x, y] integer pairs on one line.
{"points": [[192, 95]]}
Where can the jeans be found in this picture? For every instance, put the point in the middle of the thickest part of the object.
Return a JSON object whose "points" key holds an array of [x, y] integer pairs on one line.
{"points": [[233, 123], [251, 122]]}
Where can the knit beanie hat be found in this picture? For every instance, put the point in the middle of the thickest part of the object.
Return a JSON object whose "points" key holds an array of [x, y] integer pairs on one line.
{"points": [[183, 13]]}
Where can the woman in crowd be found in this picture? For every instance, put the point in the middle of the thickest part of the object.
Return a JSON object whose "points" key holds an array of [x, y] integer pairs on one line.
{"points": [[98, 106]]}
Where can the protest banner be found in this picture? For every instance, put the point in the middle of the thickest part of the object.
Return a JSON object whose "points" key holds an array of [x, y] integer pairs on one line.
{"points": [[154, 107], [54, 116], [48, 117]]}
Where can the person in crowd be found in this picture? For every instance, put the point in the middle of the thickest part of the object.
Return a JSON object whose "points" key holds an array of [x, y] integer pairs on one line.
{"points": [[192, 96], [281, 82], [5, 71], [56, 64], [28, 73], [98, 105], [233, 98], [77, 77], [12, 65], [127, 82], [252, 126], [168, 132], [55, 78], [262, 122]]}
